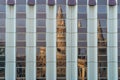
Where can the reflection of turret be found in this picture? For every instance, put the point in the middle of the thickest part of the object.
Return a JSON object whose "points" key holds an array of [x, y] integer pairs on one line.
{"points": [[60, 31], [79, 24], [100, 35], [101, 40], [61, 56]]}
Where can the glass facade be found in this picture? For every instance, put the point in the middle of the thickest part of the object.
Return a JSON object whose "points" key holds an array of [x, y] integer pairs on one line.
{"points": [[20, 9]]}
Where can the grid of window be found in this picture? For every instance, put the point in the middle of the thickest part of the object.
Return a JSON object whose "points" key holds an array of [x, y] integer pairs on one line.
{"points": [[102, 40], [20, 39], [61, 40], [82, 39], [41, 39], [60, 37], [2, 39]]}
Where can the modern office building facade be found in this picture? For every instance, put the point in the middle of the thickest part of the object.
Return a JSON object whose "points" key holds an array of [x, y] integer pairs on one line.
{"points": [[59, 40]]}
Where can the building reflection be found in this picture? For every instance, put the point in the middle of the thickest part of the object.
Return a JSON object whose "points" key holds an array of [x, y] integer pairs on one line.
{"points": [[61, 52]]}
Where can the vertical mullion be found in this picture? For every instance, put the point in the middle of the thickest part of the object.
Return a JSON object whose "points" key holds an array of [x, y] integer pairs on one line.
{"points": [[112, 42], [51, 42], [10, 42], [71, 42], [92, 53], [30, 42]]}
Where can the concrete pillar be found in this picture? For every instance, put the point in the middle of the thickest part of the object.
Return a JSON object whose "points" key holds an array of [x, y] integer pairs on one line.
{"points": [[112, 42], [50, 42], [92, 53], [71, 42], [10, 47], [30, 42]]}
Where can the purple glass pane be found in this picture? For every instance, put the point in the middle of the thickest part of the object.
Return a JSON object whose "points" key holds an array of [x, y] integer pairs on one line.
{"points": [[51, 2], [112, 2], [71, 2], [10, 2], [31, 2], [92, 2]]}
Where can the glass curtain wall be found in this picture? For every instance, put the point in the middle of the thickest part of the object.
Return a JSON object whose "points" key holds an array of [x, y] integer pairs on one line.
{"points": [[82, 39], [41, 39], [20, 39], [2, 39]]}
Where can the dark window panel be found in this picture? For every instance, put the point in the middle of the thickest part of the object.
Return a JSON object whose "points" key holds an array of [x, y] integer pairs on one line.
{"points": [[71, 2], [102, 58], [118, 2], [118, 16], [41, 36], [20, 36], [119, 44], [2, 51], [2, 30], [41, 44], [51, 2], [39, 64], [102, 64], [102, 2], [21, 8], [41, 30], [82, 44], [2, 22], [82, 30], [20, 51], [61, 72], [41, 72], [102, 9], [82, 37], [2, 1], [82, 9], [20, 63], [102, 51], [20, 54], [82, 16], [82, 51], [20, 1], [20, 15], [103, 72], [41, 22], [2, 64], [20, 22], [2, 36], [82, 2], [61, 2], [20, 29], [41, 15], [102, 16], [2, 8], [2, 15], [41, 2], [2, 44], [41, 8], [118, 29], [2, 72], [21, 44], [20, 72], [119, 52], [2, 58]]}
